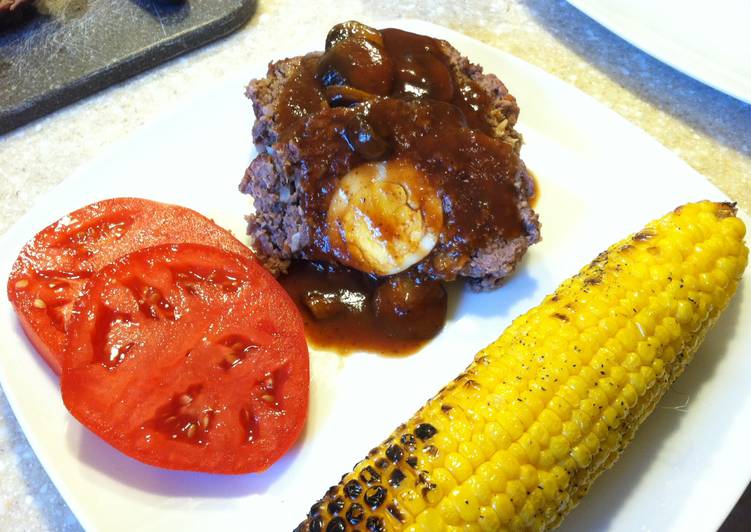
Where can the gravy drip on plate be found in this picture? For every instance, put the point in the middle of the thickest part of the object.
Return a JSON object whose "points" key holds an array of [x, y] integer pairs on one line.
{"points": [[347, 310]]}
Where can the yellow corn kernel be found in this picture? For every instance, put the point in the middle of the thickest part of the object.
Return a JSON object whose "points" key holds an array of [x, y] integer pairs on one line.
{"points": [[528, 476], [508, 464], [555, 400], [449, 512], [466, 503], [430, 520], [560, 407], [547, 459], [489, 520], [459, 466], [517, 492], [503, 507], [480, 487], [497, 435], [412, 501], [472, 452], [445, 480], [511, 425], [559, 446], [531, 447]]}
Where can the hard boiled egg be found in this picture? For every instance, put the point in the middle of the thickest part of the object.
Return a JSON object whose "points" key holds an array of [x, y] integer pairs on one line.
{"points": [[385, 217]]}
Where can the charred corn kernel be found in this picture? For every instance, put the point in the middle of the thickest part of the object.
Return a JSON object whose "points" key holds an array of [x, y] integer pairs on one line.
{"points": [[517, 440]]}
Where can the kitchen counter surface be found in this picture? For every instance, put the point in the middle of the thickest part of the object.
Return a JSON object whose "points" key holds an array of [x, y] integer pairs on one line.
{"points": [[709, 130]]}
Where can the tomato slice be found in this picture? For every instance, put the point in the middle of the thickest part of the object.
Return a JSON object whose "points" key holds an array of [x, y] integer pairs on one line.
{"points": [[52, 270], [188, 357]]}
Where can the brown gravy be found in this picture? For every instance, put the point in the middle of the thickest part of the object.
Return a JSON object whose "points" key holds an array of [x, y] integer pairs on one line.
{"points": [[396, 95], [346, 310], [375, 96]]}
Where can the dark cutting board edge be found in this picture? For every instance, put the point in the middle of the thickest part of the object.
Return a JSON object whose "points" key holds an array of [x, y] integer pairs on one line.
{"points": [[125, 67]]}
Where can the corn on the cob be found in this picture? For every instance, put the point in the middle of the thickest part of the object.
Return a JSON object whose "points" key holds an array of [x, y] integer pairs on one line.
{"points": [[516, 440]]}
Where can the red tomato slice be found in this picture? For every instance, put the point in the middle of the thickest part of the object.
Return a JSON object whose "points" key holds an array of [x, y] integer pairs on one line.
{"points": [[188, 357], [52, 270]]}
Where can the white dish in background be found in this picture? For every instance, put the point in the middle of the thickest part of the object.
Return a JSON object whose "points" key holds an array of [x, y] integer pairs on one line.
{"points": [[709, 41], [601, 178]]}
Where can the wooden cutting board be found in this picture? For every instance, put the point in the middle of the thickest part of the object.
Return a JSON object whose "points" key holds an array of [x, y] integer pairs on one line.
{"points": [[64, 50]]}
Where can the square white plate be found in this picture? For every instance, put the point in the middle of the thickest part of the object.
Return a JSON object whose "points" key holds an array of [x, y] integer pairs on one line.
{"points": [[600, 177], [709, 41]]}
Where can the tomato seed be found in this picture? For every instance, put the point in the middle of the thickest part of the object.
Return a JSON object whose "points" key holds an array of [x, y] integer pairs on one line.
{"points": [[152, 296], [185, 399], [268, 384], [230, 361], [192, 428], [268, 398], [23, 283], [38, 303]]}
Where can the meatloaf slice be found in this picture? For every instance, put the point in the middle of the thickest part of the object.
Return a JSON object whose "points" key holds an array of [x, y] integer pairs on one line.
{"points": [[279, 228]]}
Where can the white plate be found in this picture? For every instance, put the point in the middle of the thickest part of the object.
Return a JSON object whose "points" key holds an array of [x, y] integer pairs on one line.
{"points": [[601, 178], [709, 41]]}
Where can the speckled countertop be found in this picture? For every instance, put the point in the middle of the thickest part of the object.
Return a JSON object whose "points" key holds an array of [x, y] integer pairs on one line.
{"points": [[710, 131]]}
